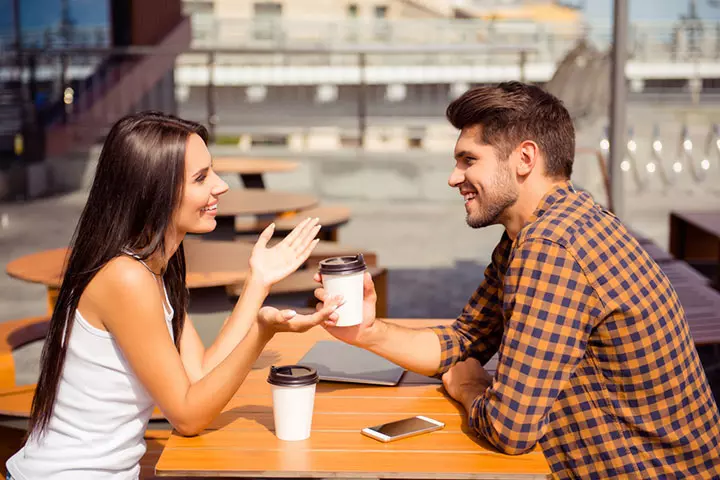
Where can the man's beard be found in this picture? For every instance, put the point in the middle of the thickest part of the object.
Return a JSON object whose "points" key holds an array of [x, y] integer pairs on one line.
{"points": [[493, 203]]}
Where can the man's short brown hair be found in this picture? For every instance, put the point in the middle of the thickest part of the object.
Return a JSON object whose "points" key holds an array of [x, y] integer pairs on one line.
{"points": [[512, 112]]}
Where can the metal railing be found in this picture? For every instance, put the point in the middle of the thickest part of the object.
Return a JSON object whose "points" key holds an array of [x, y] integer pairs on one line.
{"points": [[674, 41]]}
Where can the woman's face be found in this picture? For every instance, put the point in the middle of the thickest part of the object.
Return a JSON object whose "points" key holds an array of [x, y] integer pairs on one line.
{"points": [[198, 207]]}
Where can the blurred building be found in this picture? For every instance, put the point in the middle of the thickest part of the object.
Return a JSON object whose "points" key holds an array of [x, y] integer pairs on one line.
{"points": [[63, 79]]}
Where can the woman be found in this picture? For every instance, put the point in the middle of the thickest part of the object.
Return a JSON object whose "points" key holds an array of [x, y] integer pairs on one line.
{"points": [[120, 341]]}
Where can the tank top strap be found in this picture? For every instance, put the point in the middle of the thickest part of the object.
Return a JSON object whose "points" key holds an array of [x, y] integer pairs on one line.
{"points": [[137, 257]]}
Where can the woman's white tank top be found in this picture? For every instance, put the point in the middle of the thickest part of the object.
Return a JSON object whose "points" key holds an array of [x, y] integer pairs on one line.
{"points": [[100, 416]]}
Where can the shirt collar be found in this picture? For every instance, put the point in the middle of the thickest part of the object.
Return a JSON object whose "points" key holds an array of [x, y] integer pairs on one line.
{"points": [[555, 194]]}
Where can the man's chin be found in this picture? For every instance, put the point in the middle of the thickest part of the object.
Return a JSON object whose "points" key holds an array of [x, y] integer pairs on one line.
{"points": [[474, 222]]}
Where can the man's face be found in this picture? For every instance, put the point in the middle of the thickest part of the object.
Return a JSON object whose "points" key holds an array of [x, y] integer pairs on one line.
{"points": [[485, 180]]}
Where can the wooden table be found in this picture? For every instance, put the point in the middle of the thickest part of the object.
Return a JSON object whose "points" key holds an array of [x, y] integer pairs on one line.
{"points": [[695, 238], [251, 170], [237, 203], [241, 442], [208, 263]]}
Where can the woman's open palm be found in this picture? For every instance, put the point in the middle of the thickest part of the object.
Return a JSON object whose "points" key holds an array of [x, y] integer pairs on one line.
{"points": [[272, 264]]}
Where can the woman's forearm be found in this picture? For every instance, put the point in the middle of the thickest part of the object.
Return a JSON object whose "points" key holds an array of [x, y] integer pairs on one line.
{"points": [[206, 398], [237, 325]]}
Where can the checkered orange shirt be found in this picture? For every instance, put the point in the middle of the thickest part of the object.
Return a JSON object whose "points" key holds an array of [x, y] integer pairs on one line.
{"points": [[595, 358]]}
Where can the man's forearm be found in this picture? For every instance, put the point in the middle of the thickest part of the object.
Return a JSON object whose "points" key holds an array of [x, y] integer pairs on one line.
{"points": [[417, 349]]}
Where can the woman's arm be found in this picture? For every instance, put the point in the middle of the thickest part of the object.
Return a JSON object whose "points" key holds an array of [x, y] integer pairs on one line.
{"points": [[132, 312]]}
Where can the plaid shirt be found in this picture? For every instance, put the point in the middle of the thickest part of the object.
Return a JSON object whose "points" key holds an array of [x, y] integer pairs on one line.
{"points": [[595, 358]]}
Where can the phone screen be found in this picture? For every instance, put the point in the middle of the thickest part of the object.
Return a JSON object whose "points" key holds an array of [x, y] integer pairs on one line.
{"points": [[402, 427]]}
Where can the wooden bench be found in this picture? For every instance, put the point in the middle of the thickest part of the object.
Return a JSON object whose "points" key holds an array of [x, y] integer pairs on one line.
{"points": [[695, 238], [301, 282], [14, 334], [331, 218]]}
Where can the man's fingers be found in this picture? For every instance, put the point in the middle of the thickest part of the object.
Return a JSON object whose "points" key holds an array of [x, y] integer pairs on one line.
{"points": [[368, 286], [320, 294]]}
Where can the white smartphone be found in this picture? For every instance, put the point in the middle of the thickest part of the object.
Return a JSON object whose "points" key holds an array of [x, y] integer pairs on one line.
{"points": [[405, 428]]}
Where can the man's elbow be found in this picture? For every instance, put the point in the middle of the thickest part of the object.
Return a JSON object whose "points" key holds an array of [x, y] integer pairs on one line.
{"points": [[515, 447], [516, 442]]}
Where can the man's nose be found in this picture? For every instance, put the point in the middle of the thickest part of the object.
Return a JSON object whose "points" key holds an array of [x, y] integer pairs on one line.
{"points": [[457, 177]]}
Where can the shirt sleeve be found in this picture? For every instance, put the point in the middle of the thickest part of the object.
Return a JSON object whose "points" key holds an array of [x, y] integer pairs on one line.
{"points": [[478, 330], [551, 309]]}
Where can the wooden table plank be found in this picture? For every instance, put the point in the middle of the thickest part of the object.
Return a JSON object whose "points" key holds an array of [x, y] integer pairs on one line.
{"points": [[209, 264], [292, 461], [241, 441], [323, 421], [262, 202], [251, 170]]}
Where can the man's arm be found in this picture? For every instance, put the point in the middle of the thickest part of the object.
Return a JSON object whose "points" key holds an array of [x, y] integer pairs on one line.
{"points": [[432, 351], [478, 330], [553, 310]]}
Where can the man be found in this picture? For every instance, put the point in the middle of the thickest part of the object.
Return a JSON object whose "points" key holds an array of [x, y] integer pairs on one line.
{"points": [[596, 362]]}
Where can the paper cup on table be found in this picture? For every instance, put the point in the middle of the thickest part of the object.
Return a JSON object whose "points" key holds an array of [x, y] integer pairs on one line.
{"points": [[293, 393], [344, 276]]}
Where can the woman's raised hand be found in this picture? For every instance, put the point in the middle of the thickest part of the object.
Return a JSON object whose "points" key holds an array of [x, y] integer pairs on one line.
{"points": [[270, 265]]}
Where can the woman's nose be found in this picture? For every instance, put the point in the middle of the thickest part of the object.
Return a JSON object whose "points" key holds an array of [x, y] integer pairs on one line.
{"points": [[220, 187]]}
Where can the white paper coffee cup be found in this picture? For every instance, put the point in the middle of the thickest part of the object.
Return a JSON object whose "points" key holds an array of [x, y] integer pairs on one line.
{"points": [[293, 394], [344, 276]]}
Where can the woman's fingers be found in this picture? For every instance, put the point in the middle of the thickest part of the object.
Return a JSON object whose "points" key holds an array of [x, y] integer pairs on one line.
{"points": [[299, 231], [305, 236], [265, 236], [305, 254]]}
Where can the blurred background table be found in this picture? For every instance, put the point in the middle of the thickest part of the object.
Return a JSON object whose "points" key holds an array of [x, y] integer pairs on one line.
{"points": [[251, 170]]}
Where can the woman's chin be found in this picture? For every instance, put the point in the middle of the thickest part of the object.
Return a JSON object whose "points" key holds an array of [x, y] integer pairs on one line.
{"points": [[206, 225]]}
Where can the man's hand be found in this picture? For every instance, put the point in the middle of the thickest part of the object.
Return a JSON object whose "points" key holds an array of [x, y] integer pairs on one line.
{"points": [[357, 335], [465, 381]]}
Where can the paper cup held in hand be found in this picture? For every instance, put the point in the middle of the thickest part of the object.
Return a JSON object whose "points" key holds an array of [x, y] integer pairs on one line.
{"points": [[344, 276], [293, 393]]}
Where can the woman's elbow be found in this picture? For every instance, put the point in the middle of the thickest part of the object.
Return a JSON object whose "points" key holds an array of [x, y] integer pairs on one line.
{"points": [[189, 427]]}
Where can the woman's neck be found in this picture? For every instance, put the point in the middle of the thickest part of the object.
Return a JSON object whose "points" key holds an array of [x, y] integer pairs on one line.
{"points": [[159, 260]]}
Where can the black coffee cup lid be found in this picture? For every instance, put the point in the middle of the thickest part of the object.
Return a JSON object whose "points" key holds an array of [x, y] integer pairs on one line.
{"points": [[292, 376], [343, 265]]}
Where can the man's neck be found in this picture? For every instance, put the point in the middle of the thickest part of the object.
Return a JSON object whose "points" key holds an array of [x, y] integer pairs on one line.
{"points": [[520, 214]]}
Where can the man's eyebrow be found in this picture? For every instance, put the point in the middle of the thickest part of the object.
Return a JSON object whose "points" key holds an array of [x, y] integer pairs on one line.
{"points": [[463, 153]]}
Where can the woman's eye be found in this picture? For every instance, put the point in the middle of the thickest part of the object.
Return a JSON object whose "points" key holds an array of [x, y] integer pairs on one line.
{"points": [[201, 178]]}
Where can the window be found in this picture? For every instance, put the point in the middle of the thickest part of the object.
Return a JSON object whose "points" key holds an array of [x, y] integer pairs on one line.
{"points": [[381, 11], [352, 10], [267, 9], [266, 16]]}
